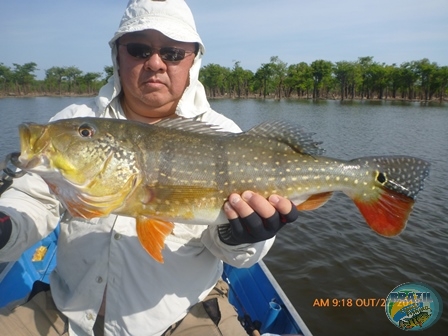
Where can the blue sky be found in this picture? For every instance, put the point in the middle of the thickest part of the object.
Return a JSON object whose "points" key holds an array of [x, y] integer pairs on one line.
{"points": [[76, 32]]}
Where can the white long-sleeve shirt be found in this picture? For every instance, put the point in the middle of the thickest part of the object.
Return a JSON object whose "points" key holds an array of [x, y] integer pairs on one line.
{"points": [[143, 297]]}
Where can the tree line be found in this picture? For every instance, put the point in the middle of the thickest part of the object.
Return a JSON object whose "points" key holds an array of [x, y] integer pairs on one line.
{"points": [[21, 80], [360, 79]]}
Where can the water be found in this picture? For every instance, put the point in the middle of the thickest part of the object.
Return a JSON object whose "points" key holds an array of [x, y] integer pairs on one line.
{"points": [[330, 252]]}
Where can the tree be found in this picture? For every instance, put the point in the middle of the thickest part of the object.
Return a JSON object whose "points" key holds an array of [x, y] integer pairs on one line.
{"points": [[241, 80], [263, 78], [109, 70], [378, 79], [321, 71], [213, 76], [72, 73], [57, 75], [425, 71], [278, 75], [23, 76], [237, 79], [299, 77], [394, 76], [346, 76], [440, 81], [408, 79], [365, 64], [89, 79], [5, 77]]}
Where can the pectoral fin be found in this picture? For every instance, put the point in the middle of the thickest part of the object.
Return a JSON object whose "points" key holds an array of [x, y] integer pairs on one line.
{"points": [[152, 233], [78, 209]]}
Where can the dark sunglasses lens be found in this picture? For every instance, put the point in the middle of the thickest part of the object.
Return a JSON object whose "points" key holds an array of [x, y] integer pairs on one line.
{"points": [[139, 50], [172, 54]]}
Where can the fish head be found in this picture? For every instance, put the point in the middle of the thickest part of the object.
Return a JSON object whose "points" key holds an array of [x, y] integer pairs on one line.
{"points": [[87, 162]]}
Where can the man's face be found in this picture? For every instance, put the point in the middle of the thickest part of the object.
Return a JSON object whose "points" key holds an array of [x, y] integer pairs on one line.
{"points": [[153, 86]]}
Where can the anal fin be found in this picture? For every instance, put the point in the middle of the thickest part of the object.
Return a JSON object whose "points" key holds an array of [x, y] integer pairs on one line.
{"points": [[315, 201], [151, 233]]}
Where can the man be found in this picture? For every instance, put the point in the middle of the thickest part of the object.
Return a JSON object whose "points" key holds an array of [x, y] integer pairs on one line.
{"points": [[104, 281]]}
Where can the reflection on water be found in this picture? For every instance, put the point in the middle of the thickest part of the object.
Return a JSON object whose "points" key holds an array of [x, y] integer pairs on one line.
{"points": [[330, 252]]}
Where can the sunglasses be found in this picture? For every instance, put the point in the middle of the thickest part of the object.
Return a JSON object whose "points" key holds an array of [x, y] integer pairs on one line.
{"points": [[144, 51]]}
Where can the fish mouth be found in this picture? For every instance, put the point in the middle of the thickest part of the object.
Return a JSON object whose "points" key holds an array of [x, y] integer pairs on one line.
{"points": [[34, 141]]}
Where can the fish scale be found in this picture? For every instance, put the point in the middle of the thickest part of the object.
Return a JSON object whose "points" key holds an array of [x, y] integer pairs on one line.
{"points": [[182, 171]]}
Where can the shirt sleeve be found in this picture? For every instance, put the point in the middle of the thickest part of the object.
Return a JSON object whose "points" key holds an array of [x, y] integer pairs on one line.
{"points": [[243, 255], [34, 214]]}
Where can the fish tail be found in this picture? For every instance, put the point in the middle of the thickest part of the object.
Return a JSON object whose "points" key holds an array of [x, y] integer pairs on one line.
{"points": [[397, 181]]}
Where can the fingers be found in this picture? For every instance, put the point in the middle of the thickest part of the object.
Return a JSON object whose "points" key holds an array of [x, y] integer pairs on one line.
{"points": [[242, 206], [281, 204], [229, 211]]}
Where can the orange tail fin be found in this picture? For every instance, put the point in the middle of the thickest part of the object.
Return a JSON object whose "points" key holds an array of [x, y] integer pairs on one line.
{"points": [[387, 215], [152, 233]]}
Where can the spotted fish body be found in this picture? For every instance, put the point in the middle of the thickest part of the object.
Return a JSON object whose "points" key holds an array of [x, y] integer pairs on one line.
{"points": [[416, 321], [183, 171]]}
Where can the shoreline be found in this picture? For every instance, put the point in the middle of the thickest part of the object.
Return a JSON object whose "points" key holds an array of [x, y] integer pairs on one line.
{"points": [[34, 95], [270, 97]]}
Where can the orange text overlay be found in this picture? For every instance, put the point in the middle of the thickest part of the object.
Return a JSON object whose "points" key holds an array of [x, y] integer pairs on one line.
{"points": [[349, 302]]}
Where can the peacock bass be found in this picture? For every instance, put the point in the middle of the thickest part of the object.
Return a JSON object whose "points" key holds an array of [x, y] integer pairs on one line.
{"points": [[180, 170]]}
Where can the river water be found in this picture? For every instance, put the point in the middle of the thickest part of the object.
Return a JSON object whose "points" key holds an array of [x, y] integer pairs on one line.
{"points": [[330, 252]]}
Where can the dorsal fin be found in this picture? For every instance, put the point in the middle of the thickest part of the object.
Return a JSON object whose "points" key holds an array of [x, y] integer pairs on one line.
{"points": [[291, 135], [281, 131], [191, 125]]}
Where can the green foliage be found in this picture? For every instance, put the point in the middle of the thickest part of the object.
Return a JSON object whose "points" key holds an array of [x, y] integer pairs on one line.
{"points": [[299, 79], [21, 80], [321, 71], [213, 77], [109, 70], [363, 78]]}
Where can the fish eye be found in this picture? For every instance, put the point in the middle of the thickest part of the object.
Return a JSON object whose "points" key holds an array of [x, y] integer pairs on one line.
{"points": [[86, 131]]}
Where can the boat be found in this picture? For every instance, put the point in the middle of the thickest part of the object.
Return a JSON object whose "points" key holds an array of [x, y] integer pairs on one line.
{"points": [[263, 307], [260, 300]]}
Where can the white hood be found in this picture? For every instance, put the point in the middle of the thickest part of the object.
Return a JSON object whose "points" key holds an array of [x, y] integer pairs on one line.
{"points": [[174, 19]]}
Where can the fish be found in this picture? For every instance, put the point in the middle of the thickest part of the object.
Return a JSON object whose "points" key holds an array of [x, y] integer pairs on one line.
{"points": [[180, 170], [416, 320]]}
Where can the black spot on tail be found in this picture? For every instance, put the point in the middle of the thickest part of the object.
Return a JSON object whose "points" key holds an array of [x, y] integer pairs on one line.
{"points": [[381, 178]]}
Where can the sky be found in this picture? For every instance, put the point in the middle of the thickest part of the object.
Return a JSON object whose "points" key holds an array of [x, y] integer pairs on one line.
{"points": [[76, 32]]}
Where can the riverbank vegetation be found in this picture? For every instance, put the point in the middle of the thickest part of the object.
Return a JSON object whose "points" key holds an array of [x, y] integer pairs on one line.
{"points": [[361, 79], [59, 81]]}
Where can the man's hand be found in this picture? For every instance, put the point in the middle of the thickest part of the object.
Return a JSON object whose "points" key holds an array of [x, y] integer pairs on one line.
{"points": [[252, 218]]}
